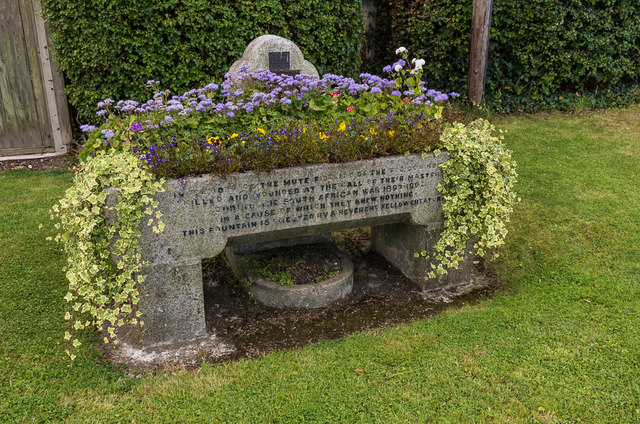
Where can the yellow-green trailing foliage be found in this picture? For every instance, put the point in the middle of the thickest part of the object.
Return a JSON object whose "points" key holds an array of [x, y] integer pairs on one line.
{"points": [[102, 282], [478, 188]]}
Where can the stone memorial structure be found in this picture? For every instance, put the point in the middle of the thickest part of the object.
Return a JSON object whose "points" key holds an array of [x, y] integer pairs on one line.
{"points": [[397, 196], [275, 54]]}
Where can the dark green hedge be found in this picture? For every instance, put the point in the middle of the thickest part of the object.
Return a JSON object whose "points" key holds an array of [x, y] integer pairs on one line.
{"points": [[110, 48], [542, 52]]}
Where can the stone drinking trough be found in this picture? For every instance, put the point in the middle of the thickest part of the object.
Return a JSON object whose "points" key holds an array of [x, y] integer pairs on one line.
{"points": [[397, 196]]}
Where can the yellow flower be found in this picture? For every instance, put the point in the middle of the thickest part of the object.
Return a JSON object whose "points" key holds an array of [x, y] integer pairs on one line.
{"points": [[234, 135], [372, 131], [214, 140], [392, 133], [342, 127], [323, 136], [261, 131]]}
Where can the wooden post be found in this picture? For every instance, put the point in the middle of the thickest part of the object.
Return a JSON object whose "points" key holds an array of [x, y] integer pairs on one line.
{"points": [[479, 49], [55, 100]]}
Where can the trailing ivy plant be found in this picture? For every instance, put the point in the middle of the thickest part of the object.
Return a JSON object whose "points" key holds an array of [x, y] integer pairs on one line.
{"points": [[102, 285], [477, 186]]}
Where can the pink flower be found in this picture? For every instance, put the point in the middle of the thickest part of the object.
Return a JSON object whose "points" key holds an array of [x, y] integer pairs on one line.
{"points": [[350, 108], [406, 100]]}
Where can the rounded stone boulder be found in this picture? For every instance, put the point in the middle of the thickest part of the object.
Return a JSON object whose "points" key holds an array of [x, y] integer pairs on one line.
{"points": [[256, 55]]}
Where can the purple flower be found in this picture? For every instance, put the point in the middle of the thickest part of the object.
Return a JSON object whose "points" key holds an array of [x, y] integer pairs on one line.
{"points": [[107, 133], [101, 112], [285, 101], [386, 69], [441, 98], [87, 128], [136, 126], [376, 90], [168, 119], [396, 93], [398, 65], [231, 114]]}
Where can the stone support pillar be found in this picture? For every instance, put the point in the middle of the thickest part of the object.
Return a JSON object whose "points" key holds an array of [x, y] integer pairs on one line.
{"points": [[172, 299], [399, 242]]}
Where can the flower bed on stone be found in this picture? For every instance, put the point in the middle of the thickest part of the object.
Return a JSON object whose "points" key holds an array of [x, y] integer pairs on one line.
{"points": [[261, 121]]}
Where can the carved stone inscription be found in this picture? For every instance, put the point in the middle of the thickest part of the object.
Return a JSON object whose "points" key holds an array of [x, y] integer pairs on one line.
{"points": [[204, 214], [282, 199]]}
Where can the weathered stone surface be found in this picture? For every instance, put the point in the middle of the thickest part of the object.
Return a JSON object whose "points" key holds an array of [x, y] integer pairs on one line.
{"points": [[302, 296], [398, 243], [256, 55], [172, 303], [185, 354], [274, 244], [204, 214]]}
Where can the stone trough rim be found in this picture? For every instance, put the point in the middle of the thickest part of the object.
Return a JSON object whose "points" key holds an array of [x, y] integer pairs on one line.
{"points": [[302, 296]]}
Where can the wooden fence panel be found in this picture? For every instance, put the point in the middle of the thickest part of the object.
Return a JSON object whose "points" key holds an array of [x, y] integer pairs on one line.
{"points": [[30, 108]]}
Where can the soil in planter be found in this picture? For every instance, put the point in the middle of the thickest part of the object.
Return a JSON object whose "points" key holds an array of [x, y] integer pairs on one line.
{"points": [[288, 266], [381, 296]]}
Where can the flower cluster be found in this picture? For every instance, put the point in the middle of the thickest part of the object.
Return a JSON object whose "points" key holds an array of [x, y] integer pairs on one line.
{"points": [[222, 127]]}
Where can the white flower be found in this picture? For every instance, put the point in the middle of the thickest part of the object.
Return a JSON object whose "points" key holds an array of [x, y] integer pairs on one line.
{"points": [[401, 50], [398, 68], [418, 63], [414, 71]]}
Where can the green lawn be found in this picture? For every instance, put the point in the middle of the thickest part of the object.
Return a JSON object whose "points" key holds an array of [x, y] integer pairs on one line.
{"points": [[560, 342]]}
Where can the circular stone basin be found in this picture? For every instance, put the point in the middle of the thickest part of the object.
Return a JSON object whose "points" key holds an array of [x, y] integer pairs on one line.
{"points": [[301, 296]]}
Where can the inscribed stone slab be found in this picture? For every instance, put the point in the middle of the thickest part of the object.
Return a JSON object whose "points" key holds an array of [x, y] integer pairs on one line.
{"points": [[204, 214]]}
